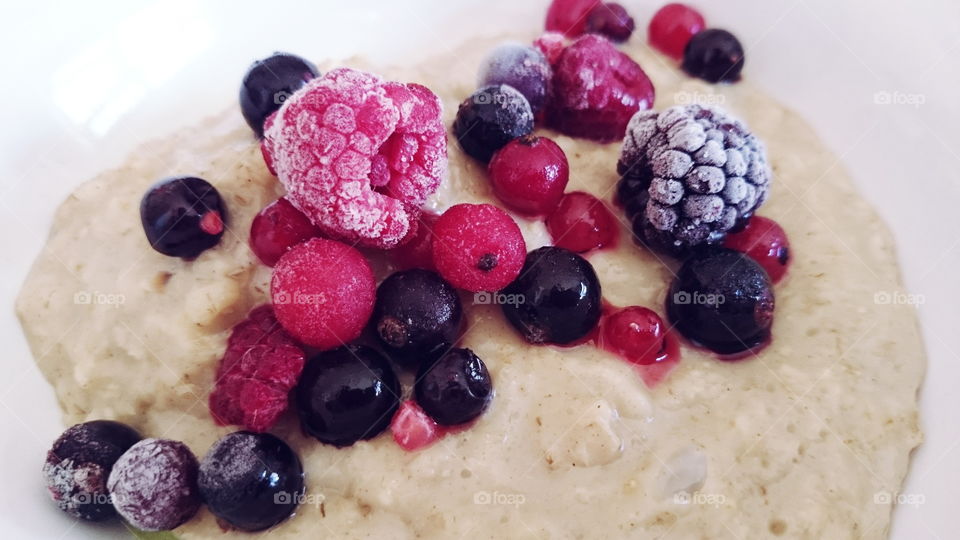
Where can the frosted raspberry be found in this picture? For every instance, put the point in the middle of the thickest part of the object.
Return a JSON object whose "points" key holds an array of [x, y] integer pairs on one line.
{"points": [[358, 155], [259, 368], [478, 247], [596, 90], [323, 293]]}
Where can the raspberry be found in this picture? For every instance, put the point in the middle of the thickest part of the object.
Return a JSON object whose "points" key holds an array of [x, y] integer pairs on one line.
{"points": [[764, 241], [412, 428], [672, 27], [551, 44], [689, 175], [610, 20], [478, 247], [259, 368], [358, 155], [596, 90], [323, 293], [582, 222], [277, 228], [417, 250], [529, 174], [569, 16]]}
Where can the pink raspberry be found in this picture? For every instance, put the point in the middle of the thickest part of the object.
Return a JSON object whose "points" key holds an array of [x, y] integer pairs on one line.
{"points": [[323, 293], [256, 374], [596, 90], [478, 247], [358, 155], [569, 16], [551, 44]]}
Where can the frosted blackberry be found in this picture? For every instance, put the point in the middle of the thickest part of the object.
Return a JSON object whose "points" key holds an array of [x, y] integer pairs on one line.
{"points": [[689, 175]]}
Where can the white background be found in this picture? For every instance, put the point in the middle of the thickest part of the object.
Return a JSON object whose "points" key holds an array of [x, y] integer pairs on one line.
{"points": [[83, 83]]}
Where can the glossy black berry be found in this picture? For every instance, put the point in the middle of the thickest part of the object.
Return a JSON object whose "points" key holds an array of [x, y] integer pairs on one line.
{"points": [[417, 315], [268, 83], [490, 118], [252, 481], [182, 216], [347, 394], [454, 389], [79, 464], [714, 55], [558, 297], [722, 300]]}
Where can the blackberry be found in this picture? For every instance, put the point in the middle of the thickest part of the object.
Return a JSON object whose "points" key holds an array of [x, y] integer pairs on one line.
{"points": [[689, 175]]}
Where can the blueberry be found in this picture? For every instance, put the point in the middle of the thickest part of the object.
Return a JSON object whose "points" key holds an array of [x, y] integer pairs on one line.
{"points": [[524, 68], [722, 300], [558, 297], [182, 216], [490, 118], [714, 55], [154, 485], [417, 315], [79, 463], [454, 389], [268, 83], [252, 481], [347, 394]]}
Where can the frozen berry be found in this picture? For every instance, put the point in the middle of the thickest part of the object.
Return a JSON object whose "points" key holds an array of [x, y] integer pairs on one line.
{"points": [[569, 16], [417, 316], [182, 216], [610, 20], [522, 67], [154, 485], [477, 247], [268, 83], [455, 389], [417, 250], [551, 44], [412, 428], [358, 155], [259, 368], [79, 463], [597, 107], [690, 174], [582, 222], [635, 333], [347, 394], [277, 228], [529, 174], [323, 293], [714, 55], [672, 27], [561, 297], [251, 481], [722, 300], [764, 241], [490, 118]]}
